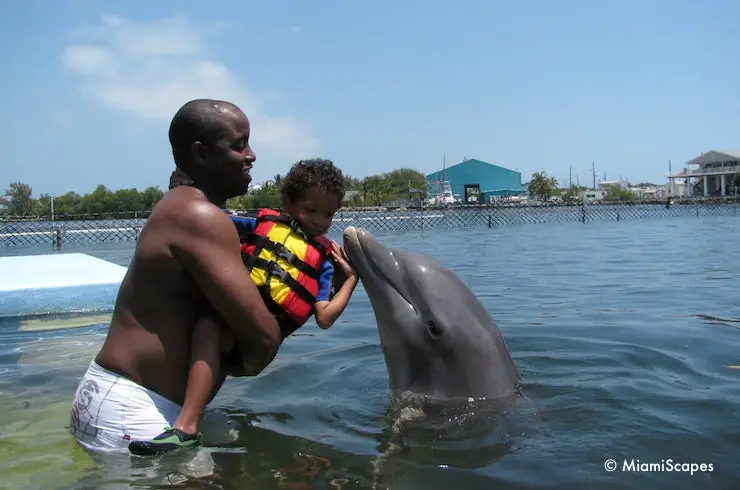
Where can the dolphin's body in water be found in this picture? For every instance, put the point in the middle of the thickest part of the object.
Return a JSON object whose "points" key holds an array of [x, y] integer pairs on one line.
{"points": [[438, 340], [448, 365]]}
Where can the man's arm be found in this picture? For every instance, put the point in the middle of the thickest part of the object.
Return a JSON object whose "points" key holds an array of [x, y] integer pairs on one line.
{"points": [[208, 245]]}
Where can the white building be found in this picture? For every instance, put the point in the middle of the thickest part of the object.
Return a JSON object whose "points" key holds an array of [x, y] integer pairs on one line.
{"points": [[674, 188], [649, 191], [592, 195], [712, 173], [605, 184]]}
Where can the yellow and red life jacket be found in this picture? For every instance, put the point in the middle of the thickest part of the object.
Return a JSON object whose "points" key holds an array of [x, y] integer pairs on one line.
{"points": [[284, 263]]}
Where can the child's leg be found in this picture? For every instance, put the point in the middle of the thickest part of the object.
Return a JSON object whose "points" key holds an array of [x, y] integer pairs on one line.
{"points": [[205, 372], [204, 377]]}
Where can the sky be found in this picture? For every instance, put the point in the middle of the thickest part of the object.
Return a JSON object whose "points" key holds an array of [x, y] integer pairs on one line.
{"points": [[89, 87]]}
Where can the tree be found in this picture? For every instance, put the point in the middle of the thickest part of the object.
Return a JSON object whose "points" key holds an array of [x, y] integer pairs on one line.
{"points": [[542, 185], [378, 190], [615, 192], [18, 200], [573, 192]]}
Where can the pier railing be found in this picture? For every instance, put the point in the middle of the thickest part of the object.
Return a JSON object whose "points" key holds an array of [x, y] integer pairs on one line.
{"points": [[123, 227]]}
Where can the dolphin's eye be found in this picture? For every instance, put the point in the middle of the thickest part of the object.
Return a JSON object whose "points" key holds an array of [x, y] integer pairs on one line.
{"points": [[433, 329]]}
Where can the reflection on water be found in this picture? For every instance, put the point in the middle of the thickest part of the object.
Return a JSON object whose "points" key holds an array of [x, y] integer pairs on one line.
{"points": [[625, 334]]}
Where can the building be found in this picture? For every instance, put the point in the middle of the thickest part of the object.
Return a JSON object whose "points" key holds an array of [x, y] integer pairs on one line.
{"points": [[605, 184], [674, 188], [711, 175], [473, 181], [590, 195], [648, 192]]}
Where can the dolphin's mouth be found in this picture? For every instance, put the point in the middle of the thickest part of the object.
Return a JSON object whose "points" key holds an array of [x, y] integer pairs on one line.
{"points": [[370, 258]]}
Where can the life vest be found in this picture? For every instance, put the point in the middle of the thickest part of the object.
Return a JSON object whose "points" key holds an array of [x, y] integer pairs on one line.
{"points": [[284, 263]]}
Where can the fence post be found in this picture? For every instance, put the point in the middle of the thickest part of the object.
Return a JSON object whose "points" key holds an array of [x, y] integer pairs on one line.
{"points": [[59, 237], [583, 211], [490, 221]]}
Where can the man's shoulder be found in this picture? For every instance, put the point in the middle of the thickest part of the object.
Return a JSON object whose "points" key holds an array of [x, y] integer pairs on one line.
{"points": [[187, 211], [189, 205]]}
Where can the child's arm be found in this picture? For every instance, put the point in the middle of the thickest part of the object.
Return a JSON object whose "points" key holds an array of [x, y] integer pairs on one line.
{"points": [[327, 312]]}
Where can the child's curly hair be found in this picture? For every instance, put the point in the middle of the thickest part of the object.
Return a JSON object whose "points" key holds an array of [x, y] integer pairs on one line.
{"points": [[314, 173]]}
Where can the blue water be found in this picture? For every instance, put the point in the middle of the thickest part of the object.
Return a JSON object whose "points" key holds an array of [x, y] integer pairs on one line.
{"points": [[625, 334]]}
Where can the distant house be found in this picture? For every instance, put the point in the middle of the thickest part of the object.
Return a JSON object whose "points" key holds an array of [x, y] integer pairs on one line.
{"points": [[473, 181], [605, 184], [592, 195], [712, 175]]}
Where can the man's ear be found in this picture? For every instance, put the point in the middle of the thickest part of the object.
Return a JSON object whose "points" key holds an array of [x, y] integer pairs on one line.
{"points": [[198, 153]]}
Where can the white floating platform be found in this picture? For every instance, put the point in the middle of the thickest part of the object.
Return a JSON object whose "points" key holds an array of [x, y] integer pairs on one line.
{"points": [[57, 283]]}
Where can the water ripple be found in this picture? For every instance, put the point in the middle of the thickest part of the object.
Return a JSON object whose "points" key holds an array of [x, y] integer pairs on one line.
{"points": [[625, 334]]}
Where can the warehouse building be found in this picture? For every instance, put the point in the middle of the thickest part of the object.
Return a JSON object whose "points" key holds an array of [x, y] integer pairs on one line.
{"points": [[473, 181]]}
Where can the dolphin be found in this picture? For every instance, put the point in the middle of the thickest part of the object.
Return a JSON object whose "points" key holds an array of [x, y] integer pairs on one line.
{"points": [[438, 340]]}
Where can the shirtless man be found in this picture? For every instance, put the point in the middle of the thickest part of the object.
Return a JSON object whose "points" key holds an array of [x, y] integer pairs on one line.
{"points": [[186, 262]]}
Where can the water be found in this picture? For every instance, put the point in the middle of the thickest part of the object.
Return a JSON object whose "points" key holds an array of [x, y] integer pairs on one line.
{"points": [[625, 334]]}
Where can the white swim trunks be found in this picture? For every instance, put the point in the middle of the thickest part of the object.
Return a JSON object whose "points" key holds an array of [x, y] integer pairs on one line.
{"points": [[109, 411]]}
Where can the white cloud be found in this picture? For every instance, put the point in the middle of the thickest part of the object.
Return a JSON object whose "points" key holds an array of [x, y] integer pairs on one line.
{"points": [[150, 69]]}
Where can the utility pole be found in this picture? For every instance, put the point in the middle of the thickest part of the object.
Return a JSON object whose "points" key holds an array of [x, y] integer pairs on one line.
{"points": [[593, 171], [444, 168], [570, 177]]}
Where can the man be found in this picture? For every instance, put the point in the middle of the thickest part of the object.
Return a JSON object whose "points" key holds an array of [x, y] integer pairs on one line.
{"points": [[187, 261]]}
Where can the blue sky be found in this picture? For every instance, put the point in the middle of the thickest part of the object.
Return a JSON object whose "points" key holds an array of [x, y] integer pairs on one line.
{"points": [[89, 87]]}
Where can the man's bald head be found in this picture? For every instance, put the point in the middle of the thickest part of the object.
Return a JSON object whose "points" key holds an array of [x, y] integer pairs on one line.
{"points": [[201, 120]]}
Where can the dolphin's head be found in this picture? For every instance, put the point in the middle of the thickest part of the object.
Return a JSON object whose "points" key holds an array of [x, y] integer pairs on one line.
{"points": [[437, 338]]}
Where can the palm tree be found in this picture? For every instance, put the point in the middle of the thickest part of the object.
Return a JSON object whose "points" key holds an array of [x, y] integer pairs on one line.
{"points": [[542, 185]]}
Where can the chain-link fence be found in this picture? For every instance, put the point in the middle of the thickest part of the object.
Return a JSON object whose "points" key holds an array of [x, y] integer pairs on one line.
{"points": [[122, 227]]}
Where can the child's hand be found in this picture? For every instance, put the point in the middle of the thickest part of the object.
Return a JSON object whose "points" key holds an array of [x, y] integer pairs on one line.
{"points": [[341, 259]]}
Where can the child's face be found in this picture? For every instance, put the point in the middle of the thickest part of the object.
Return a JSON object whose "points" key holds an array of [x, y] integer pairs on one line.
{"points": [[314, 211]]}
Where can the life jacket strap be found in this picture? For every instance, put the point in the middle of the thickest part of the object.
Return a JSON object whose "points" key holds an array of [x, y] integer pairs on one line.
{"points": [[293, 223], [262, 242], [273, 269]]}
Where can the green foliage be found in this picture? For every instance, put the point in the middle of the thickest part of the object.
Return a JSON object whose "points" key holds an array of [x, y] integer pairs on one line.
{"points": [[542, 185], [615, 192], [268, 196], [574, 192], [19, 201], [371, 191]]}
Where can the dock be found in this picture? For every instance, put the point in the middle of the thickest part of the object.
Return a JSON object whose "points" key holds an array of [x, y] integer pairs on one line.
{"points": [[57, 283]]}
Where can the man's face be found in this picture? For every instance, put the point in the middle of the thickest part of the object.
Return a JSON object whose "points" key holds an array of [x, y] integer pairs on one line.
{"points": [[314, 211], [229, 160]]}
